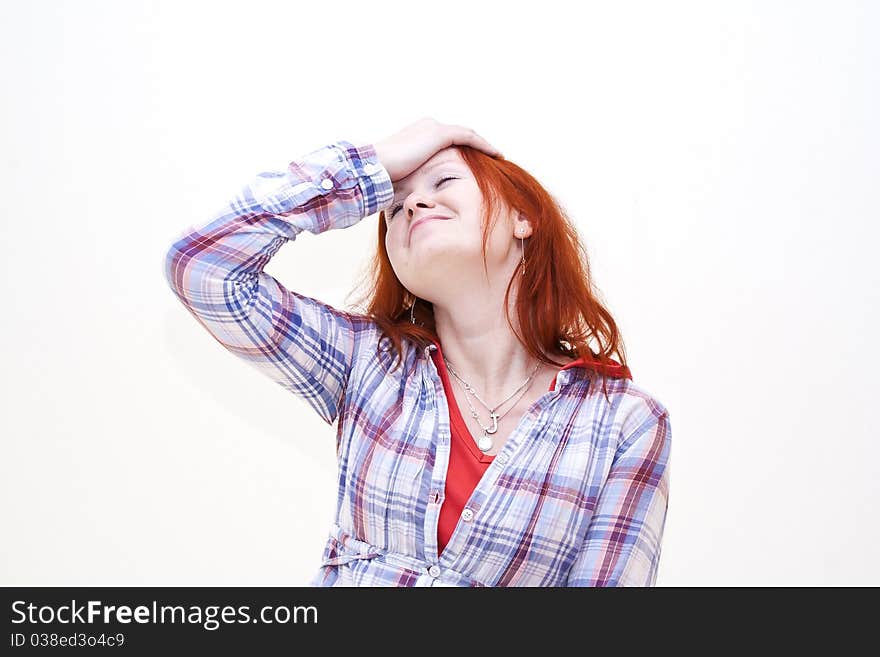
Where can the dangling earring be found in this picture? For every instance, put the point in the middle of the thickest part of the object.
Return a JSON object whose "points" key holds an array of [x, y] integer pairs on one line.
{"points": [[412, 312], [523, 249]]}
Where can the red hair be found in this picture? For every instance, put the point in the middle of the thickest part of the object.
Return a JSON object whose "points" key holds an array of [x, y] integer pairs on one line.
{"points": [[557, 305]]}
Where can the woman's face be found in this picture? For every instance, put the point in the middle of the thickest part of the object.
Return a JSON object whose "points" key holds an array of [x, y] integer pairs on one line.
{"points": [[434, 230]]}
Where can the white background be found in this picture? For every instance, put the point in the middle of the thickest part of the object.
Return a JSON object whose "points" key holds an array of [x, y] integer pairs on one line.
{"points": [[720, 161]]}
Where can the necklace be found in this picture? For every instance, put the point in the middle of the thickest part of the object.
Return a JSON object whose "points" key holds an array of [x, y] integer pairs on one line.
{"points": [[485, 442]]}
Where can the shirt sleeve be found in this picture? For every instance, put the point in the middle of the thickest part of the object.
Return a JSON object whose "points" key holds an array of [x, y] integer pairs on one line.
{"points": [[623, 541], [216, 270]]}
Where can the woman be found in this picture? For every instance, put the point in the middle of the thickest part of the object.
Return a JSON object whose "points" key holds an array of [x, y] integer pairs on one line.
{"points": [[476, 445]]}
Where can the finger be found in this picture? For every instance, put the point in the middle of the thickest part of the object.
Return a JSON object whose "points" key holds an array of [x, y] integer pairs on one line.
{"points": [[483, 144], [469, 137]]}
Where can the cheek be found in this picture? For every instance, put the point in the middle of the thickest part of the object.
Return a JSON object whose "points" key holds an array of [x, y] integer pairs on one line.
{"points": [[393, 238], [389, 241]]}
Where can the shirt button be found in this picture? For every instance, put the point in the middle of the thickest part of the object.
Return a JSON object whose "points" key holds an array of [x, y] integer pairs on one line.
{"points": [[434, 571], [467, 515], [327, 183], [502, 458], [369, 168]]}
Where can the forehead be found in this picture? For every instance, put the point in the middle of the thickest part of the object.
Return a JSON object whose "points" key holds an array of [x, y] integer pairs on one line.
{"points": [[445, 156]]}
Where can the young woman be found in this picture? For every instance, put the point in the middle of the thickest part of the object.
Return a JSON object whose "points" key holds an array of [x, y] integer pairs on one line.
{"points": [[481, 440]]}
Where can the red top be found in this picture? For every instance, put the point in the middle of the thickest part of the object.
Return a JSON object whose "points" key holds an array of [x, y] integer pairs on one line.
{"points": [[466, 462]]}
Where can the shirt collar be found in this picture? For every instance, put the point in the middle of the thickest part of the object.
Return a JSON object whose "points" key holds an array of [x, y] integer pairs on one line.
{"points": [[573, 370]]}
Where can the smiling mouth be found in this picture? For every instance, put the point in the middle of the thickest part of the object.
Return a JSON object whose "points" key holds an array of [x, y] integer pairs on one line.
{"points": [[424, 220]]}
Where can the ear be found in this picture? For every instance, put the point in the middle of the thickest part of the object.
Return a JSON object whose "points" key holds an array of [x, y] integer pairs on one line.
{"points": [[522, 227]]}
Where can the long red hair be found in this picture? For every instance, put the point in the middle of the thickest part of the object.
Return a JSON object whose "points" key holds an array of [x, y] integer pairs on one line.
{"points": [[557, 305]]}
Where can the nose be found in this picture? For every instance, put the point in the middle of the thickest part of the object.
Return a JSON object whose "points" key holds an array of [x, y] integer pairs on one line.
{"points": [[421, 202]]}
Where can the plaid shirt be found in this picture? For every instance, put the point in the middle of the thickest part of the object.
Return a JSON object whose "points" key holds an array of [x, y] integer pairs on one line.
{"points": [[577, 496]]}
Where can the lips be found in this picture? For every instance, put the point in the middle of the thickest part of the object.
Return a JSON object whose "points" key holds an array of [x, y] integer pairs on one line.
{"points": [[422, 220]]}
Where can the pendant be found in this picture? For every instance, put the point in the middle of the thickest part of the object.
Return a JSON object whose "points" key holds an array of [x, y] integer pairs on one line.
{"points": [[494, 428], [484, 443]]}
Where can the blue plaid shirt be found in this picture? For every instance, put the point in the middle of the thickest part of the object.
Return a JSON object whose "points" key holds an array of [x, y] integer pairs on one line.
{"points": [[577, 496]]}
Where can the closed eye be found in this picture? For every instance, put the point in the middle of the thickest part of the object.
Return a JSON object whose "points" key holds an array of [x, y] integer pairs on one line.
{"points": [[399, 206]]}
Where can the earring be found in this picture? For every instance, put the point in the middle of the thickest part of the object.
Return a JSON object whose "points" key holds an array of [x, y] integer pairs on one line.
{"points": [[523, 249], [412, 312]]}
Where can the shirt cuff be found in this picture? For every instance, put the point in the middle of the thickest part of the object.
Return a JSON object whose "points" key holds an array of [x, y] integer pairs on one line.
{"points": [[372, 178]]}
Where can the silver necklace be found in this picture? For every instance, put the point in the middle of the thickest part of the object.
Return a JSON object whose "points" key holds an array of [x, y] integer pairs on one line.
{"points": [[484, 442]]}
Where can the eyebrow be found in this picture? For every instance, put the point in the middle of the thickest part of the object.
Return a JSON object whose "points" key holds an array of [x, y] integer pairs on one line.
{"points": [[397, 195]]}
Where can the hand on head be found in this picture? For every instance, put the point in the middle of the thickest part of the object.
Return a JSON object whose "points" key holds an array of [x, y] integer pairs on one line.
{"points": [[406, 150]]}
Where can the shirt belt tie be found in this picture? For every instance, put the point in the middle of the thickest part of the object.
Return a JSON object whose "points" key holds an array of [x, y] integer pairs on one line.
{"points": [[349, 548]]}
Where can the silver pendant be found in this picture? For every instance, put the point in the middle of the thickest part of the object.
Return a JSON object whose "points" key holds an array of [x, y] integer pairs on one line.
{"points": [[494, 426], [484, 443]]}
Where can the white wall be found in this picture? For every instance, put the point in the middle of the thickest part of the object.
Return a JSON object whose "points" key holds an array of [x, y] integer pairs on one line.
{"points": [[721, 163]]}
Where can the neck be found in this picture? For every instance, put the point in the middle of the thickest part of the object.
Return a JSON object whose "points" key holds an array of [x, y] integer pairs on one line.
{"points": [[483, 350]]}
